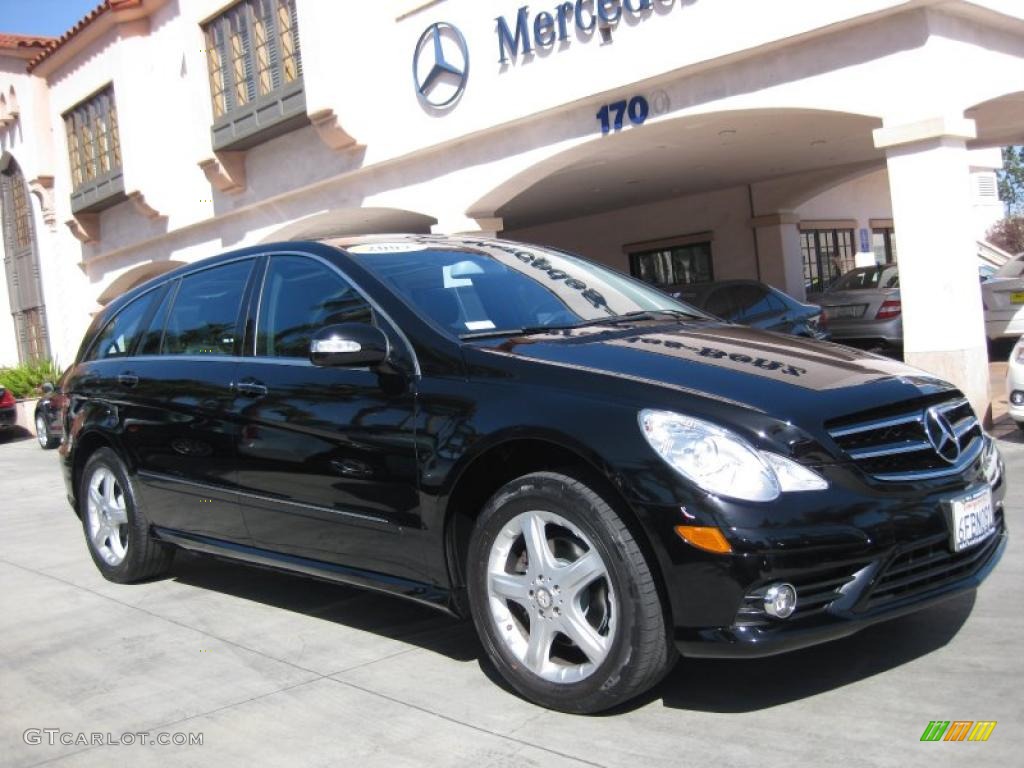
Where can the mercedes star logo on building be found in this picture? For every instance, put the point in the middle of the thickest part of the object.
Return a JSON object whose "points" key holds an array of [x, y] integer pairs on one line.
{"points": [[941, 435], [440, 65]]}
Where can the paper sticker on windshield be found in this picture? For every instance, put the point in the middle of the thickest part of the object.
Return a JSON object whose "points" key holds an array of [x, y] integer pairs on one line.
{"points": [[370, 248], [479, 325]]}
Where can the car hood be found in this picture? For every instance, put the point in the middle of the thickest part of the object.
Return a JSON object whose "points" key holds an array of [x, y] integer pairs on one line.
{"points": [[791, 378]]}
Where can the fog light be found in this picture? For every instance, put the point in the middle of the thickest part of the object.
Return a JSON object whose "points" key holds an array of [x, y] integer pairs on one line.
{"points": [[780, 601], [1017, 398]]}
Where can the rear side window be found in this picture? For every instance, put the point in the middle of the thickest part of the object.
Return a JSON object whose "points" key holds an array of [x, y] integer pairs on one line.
{"points": [[301, 296], [753, 301], [118, 336], [720, 303], [203, 320]]}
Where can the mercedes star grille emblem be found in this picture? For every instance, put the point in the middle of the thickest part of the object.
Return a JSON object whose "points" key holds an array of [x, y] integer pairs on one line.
{"points": [[941, 435]]}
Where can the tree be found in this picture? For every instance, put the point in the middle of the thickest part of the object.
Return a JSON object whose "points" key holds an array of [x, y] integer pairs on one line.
{"points": [[1008, 234], [1011, 181]]}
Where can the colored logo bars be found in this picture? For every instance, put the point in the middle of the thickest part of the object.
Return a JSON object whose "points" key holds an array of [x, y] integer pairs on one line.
{"points": [[958, 730]]}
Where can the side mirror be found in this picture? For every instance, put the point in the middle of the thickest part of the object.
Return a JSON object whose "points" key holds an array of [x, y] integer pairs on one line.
{"points": [[348, 345], [47, 388]]}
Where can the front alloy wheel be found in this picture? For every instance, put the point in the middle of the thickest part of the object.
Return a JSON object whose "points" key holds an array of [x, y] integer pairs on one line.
{"points": [[562, 596], [550, 598], [43, 435]]}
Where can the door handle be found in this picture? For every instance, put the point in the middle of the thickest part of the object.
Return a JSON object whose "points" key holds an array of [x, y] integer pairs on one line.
{"points": [[251, 389], [127, 379]]}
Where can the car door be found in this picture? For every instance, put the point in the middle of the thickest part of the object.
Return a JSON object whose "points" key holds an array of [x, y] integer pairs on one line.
{"points": [[326, 456], [180, 431]]}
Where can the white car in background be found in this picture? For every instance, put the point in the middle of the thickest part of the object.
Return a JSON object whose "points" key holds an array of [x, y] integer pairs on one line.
{"points": [[1003, 297], [1015, 383]]}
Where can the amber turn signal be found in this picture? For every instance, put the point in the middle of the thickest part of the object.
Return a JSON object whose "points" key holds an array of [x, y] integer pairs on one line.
{"points": [[708, 538]]}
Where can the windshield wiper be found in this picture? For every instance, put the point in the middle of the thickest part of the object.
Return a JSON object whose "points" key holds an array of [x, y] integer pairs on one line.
{"points": [[643, 314]]}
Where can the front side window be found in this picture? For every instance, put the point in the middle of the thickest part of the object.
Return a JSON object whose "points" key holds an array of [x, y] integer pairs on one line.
{"points": [[677, 265], [255, 68], [493, 287], [301, 296], [117, 339], [203, 320], [94, 152]]}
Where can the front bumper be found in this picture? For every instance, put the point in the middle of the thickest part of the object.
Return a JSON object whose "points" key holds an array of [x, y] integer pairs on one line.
{"points": [[1004, 325], [833, 623], [859, 553]]}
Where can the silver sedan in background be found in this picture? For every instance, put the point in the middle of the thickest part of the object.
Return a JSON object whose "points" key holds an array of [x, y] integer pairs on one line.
{"points": [[1003, 297], [1015, 383], [863, 306]]}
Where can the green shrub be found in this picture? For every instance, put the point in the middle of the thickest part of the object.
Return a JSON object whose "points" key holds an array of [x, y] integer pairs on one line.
{"points": [[26, 379]]}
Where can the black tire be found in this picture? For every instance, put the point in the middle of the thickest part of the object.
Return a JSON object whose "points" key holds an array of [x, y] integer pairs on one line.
{"points": [[640, 652], [144, 557], [45, 440]]}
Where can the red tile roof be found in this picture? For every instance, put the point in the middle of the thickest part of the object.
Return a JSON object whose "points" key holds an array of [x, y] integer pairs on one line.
{"points": [[8, 40], [54, 44]]}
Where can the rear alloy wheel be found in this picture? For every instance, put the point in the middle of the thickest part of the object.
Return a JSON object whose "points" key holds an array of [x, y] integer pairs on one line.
{"points": [[562, 597], [116, 531], [42, 434]]}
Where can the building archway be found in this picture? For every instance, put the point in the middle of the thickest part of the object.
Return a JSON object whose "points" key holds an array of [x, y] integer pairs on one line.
{"points": [[21, 263], [684, 156], [343, 222]]}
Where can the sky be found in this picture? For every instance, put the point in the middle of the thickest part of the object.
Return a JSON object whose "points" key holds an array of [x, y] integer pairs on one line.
{"points": [[42, 17]]}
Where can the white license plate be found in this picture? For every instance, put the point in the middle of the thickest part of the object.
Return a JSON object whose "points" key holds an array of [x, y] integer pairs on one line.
{"points": [[972, 519], [848, 310]]}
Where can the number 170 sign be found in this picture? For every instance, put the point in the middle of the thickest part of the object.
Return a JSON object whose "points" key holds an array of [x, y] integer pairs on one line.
{"points": [[613, 116]]}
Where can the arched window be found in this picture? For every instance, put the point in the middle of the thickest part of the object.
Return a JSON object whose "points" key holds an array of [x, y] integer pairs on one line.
{"points": [[21, 263]]}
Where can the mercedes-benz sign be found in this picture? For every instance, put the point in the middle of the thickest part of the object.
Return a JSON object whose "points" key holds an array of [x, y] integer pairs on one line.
{"points": [[440, 66]]}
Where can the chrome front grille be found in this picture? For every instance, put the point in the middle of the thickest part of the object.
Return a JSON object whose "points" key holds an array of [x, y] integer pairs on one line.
{"points": [[903, 443]]}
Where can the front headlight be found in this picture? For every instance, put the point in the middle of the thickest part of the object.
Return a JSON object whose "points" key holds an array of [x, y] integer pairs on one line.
{"points": [[721, 462]]}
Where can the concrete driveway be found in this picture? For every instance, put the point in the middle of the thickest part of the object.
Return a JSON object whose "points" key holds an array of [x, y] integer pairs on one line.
{"points": [[275, 670]]}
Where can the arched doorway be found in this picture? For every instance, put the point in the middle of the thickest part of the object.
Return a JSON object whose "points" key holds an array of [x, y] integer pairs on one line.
{"points": [[21, 263]]}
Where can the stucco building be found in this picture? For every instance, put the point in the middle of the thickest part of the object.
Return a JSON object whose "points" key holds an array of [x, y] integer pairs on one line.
{"points": [[685, 138]]}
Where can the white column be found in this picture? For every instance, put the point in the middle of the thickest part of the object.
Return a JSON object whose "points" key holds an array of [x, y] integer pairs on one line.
{"points": [[943, 322], [780, 262]]}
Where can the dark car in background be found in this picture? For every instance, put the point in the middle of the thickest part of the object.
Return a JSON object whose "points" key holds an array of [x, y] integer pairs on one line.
{"points": [[599, 475], [8, 409], [749, 302], [864, 307]]}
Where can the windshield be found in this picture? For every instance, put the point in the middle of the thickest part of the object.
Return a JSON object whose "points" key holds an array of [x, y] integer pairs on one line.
{"points": [[476, 288], [868, 279], [1013, 268]]}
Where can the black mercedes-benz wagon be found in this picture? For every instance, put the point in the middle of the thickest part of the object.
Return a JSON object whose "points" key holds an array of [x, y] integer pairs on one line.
{"points": [[599, 475]]}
